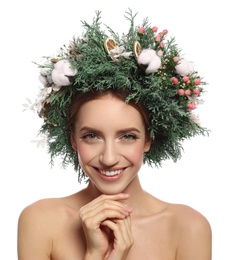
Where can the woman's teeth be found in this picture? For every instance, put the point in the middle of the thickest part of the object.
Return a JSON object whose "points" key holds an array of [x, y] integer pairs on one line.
{"points": [[111, 173]]}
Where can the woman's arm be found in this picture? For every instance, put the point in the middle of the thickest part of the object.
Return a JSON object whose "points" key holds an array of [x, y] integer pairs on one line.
{"points": [[34, 241], [195, 238]]}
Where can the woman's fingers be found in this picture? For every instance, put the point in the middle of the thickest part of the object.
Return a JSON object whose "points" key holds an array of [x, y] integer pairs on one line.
{"points": [[104, 207], [121, 229], [123, 239], [105, 198], [107, 227]]}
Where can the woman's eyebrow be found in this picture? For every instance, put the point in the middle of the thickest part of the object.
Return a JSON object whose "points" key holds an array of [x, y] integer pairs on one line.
{"points": [[124, 130], [89, 129], [129, 129]]}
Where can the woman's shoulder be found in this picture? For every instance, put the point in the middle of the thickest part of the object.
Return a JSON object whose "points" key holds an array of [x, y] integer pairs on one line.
{"points": [[183, 218], [44, 221], [184, 214], [51, 209], [188, 221]]}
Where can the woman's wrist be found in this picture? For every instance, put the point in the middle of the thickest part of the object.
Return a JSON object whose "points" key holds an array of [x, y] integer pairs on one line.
{"points": [[93, 256]]}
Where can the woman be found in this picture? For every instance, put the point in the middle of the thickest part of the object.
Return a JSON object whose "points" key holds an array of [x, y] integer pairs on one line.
{"points": [[108, 106]]}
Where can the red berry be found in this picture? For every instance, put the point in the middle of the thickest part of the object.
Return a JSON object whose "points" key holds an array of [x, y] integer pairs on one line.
{"points": [[180, 92], [175, 80], [197, 81], [154, 29], [191, 106], [185, 78], [196, 91], [188, 92]]}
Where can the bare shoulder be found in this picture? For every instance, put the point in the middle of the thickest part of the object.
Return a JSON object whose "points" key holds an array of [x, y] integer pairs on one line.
{"points": [[37, 226], [50, 212], [46, 209], [193, 232], [188, 219]]}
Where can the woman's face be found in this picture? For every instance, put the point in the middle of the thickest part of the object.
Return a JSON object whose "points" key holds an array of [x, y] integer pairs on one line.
{"points": [[110, 140]]}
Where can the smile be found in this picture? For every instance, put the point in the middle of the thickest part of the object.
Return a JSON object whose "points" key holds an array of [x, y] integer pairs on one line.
{"points": [[111, 173]]}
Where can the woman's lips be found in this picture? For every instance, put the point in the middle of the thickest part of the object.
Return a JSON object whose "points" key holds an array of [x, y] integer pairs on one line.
{"points": [[112, 175]]}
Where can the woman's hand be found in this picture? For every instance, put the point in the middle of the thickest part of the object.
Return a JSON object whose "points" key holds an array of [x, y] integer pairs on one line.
{"points": [[121, 240], [107, 227]]}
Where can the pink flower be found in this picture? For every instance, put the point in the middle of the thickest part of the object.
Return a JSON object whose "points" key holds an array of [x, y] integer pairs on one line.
{"points": [[162, 44], [174, 80], [165, 31], [180, 92], [141, 30], [158, 38], [154, 29], [176, 59], [197, 81], [160, 53]]}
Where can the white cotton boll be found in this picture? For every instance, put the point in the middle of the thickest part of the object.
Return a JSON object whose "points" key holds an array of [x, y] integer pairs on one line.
{"points": [[62, 69], [49, 79], [59, 78], [146, 56], [184, 68], [154, 65], [56, 87], [149, 57], [191, 67], [43, 79]]}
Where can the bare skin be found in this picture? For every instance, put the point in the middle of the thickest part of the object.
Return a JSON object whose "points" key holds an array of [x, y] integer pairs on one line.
{"points": [[52, 229], [113, 218]]}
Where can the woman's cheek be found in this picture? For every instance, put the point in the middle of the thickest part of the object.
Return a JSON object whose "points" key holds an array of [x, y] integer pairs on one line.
{"points": [[86, 152], [134, 153]]}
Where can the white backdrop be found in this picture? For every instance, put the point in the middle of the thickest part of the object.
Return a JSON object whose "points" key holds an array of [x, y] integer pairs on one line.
{"points": [[31, 29]]}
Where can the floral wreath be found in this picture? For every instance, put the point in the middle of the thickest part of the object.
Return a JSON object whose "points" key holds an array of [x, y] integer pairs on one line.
{"points": [[143, 61]]}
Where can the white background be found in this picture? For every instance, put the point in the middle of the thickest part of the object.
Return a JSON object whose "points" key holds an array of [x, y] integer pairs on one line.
{"points": [[31, 29]]}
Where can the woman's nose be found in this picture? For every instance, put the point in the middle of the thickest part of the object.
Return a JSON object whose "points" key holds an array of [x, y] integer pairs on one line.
{"points": [[109, 155]]}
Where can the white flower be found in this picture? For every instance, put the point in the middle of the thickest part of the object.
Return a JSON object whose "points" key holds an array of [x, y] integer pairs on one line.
{"points": [[195, 118], [119, 51], [149, 57], [61, 73], [184, 67], [195, 100], [45, 71], [42, 142], [43, 79], [29, 105]]}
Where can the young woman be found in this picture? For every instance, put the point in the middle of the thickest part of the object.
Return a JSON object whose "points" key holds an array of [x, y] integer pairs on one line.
{"points": [[108, 106]]}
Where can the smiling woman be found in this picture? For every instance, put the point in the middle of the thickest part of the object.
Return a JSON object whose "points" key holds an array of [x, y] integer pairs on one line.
{"points": [[108, 105], [110, 139]]}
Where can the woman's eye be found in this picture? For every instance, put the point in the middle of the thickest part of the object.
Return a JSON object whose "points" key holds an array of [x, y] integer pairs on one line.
{"points": [[89, 136], [130, 137]]}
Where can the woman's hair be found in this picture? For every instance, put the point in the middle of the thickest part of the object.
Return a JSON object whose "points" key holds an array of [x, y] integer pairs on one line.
{"points": [[121, 94]]}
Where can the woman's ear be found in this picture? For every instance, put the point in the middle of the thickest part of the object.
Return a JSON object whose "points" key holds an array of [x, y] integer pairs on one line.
{"points": [[73, 141], [148, 144]]}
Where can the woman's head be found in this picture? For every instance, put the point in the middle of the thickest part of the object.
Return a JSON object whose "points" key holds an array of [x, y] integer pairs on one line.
{"points": [[140, 68], [110, 140]]}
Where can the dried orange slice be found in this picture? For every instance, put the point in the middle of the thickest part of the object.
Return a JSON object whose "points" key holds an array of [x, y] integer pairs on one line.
{"points": [[110, 44], [137, 49]]}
